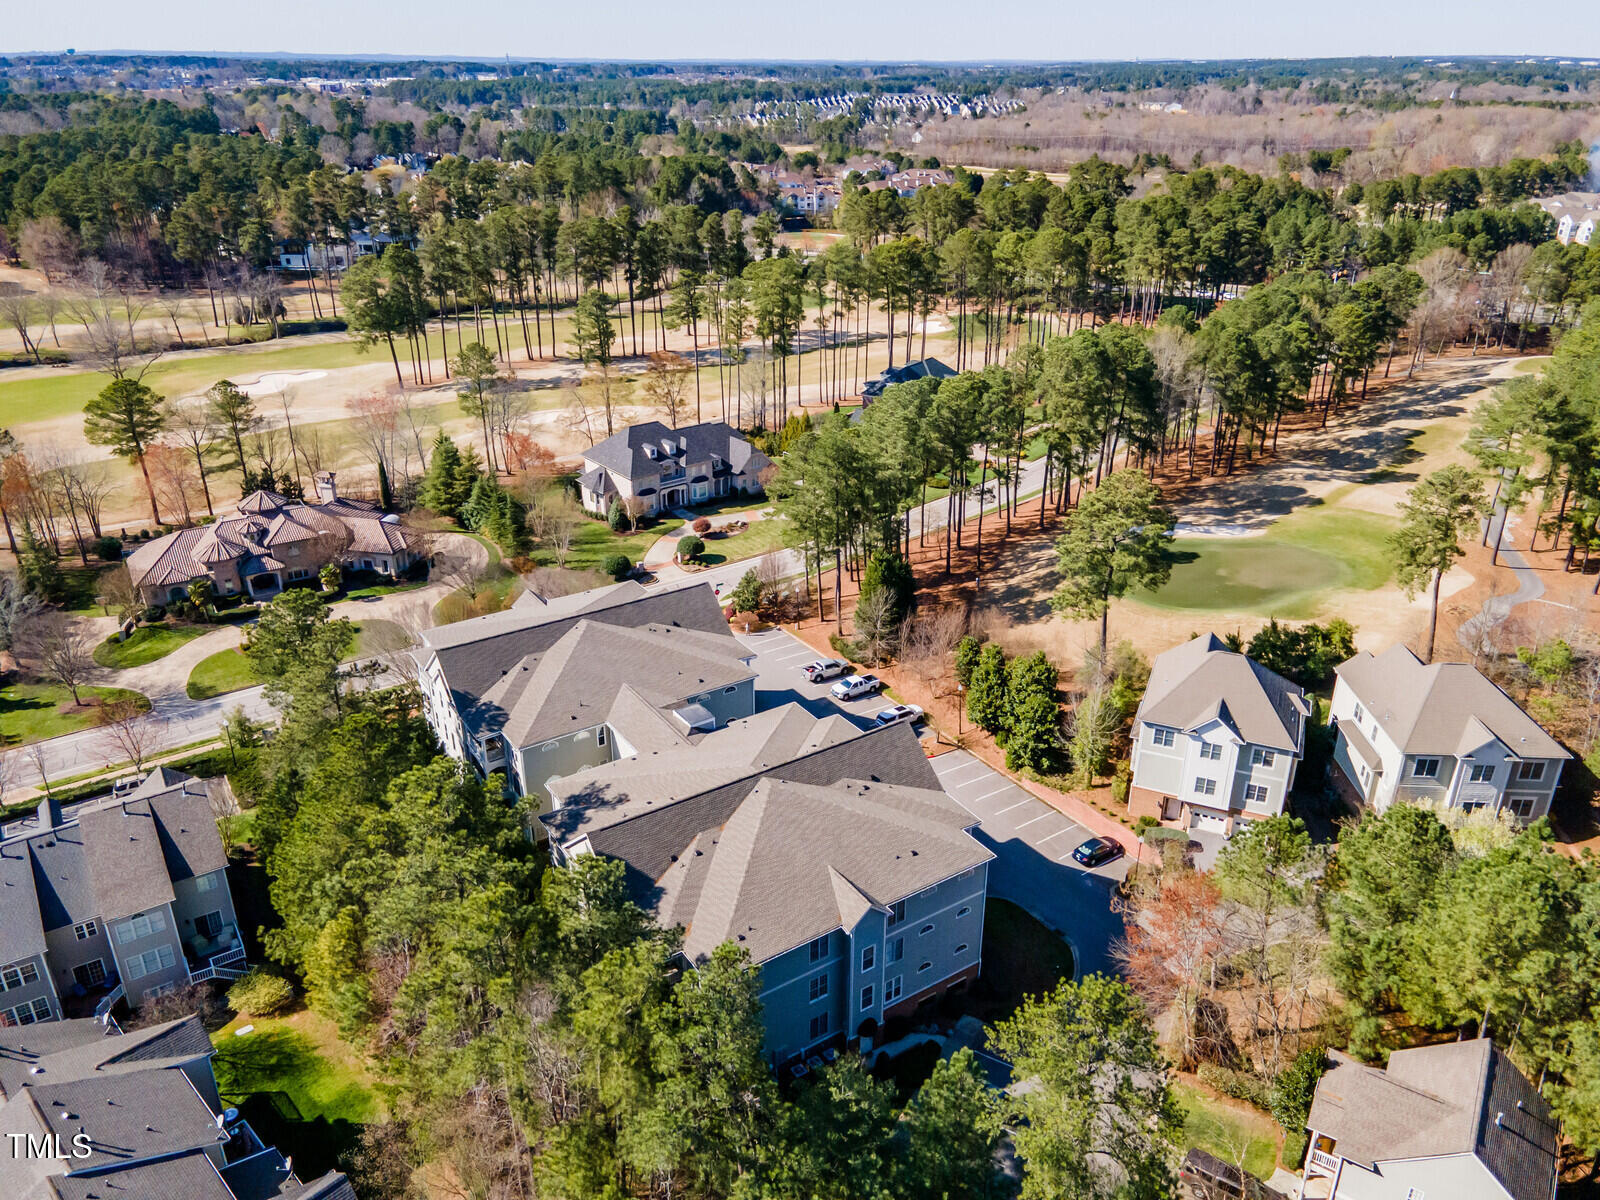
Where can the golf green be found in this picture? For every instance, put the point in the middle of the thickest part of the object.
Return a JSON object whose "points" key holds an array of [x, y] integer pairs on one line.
{"points": [[1256, 574]]}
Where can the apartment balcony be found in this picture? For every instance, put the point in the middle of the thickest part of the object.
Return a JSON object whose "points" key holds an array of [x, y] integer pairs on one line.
{"points": [[219, 957], [673, 476], [1323, 1161]]}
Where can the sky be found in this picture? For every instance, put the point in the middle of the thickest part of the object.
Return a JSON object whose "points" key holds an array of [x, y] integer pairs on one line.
{"points": [[829, 30]]}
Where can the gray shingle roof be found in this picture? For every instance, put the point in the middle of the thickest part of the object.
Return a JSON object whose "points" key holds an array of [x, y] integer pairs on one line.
{"points": [[472, 654], [1202, 680], [576, 682], [794, 861], [186, 1177], [1458, 1098], [623, 453], [106, 859], [1445, 708], [76, 1049], [648, 842], [142, 1114], [922, 368]]}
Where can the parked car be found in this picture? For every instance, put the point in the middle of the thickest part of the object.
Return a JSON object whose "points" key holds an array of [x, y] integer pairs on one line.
{"points": [[1098, 851], [125, 785], [899, 714], [852, 686], [823, 668]]}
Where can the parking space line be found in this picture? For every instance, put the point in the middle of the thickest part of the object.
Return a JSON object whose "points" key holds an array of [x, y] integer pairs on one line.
{"points": [[1018, 804], [1056, 834], [996, 792], [1036, 820], [960, 767]]}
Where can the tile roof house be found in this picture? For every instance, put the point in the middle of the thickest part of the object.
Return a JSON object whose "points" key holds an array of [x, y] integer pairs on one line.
{"points": [[830, 854], [1217, 738], [670, 468], [90, 1113], [1441, 735], [117, 896], [271, 542], [1456, 1120], [543, 692]]}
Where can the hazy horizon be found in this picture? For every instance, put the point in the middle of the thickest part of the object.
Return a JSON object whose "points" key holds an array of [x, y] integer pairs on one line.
{"points": [[829, 31]]}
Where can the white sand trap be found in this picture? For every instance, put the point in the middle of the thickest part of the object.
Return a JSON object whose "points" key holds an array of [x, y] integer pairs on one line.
{"points": [[276, 381], [1184, 529]]}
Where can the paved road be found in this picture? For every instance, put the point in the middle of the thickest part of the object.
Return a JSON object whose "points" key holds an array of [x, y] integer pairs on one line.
{"points": [[1032, 842]]}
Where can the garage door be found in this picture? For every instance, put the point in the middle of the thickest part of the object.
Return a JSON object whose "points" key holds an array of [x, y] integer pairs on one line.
{"points": [[1206, 822]]}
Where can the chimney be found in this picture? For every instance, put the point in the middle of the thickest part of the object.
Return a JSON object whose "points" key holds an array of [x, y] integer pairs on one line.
{"points": [[683, 443], [327, 490], [49, 813]]}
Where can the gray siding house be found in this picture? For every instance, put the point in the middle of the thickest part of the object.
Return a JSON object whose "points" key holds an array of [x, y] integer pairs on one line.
{"points": [[669, 468], [828, 853], [118, 896], [1217, 738], [1455, 1121], [1439, 735], [547, 691], [87, 1111]]}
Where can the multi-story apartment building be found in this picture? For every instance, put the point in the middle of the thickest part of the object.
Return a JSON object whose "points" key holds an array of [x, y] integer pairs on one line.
{"points": [[667, 468], [118, 896], [1439, 735], [88, 1112], [1455, 1121], [1217, 738], [828, 853], [544, 691]]}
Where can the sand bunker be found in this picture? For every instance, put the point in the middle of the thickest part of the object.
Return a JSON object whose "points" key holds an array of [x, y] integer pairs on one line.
{"points": [[274, 382]]}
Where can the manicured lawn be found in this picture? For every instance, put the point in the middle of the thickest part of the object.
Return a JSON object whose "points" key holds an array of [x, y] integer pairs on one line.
{"points": [[230, 670], [759, 537], [1225, 1130], [302, 1056], [32, 712], [225, 671], [382, 589], [144, 645], [594, 542], [1285, 572]]}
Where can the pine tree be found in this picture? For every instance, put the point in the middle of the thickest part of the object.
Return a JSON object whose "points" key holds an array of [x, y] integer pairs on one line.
{"points": [[986, 694], [39, 568], [442, 491]]}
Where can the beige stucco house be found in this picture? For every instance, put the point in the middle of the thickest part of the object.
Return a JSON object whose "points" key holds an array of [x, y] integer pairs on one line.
{"points": [[272, 542]]}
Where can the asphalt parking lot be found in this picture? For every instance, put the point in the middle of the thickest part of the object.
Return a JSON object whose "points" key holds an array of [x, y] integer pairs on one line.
{"points": [[1032, 842]]}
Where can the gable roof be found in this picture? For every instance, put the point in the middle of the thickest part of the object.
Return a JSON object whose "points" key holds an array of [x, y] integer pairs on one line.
{"points": [[1443, 708], [1202, 681], [922, 368], [472, 654], [578, 681], [794, 861], [648, 838], [73, 1049], [623, 453], [1457, 1098], [106, 858]]}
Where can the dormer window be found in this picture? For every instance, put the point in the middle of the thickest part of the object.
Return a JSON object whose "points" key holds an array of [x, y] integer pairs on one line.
{"points": [[650, 452]]}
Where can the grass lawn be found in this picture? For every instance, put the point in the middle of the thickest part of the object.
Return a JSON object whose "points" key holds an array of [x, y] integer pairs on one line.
{"points": [[1530, 366], [496, 595], [32, 712], [225, 671], [758, 538], [382, 589], [230, 670], [594, 542], [301, 1055], [1225, 1130], [79, 586], [1021, 957], [145, 644], [1285, 572]]}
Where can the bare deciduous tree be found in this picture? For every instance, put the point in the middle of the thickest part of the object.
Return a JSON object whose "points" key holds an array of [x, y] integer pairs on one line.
{"points": [[63, 653], [128, 729], [193, 425]]}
